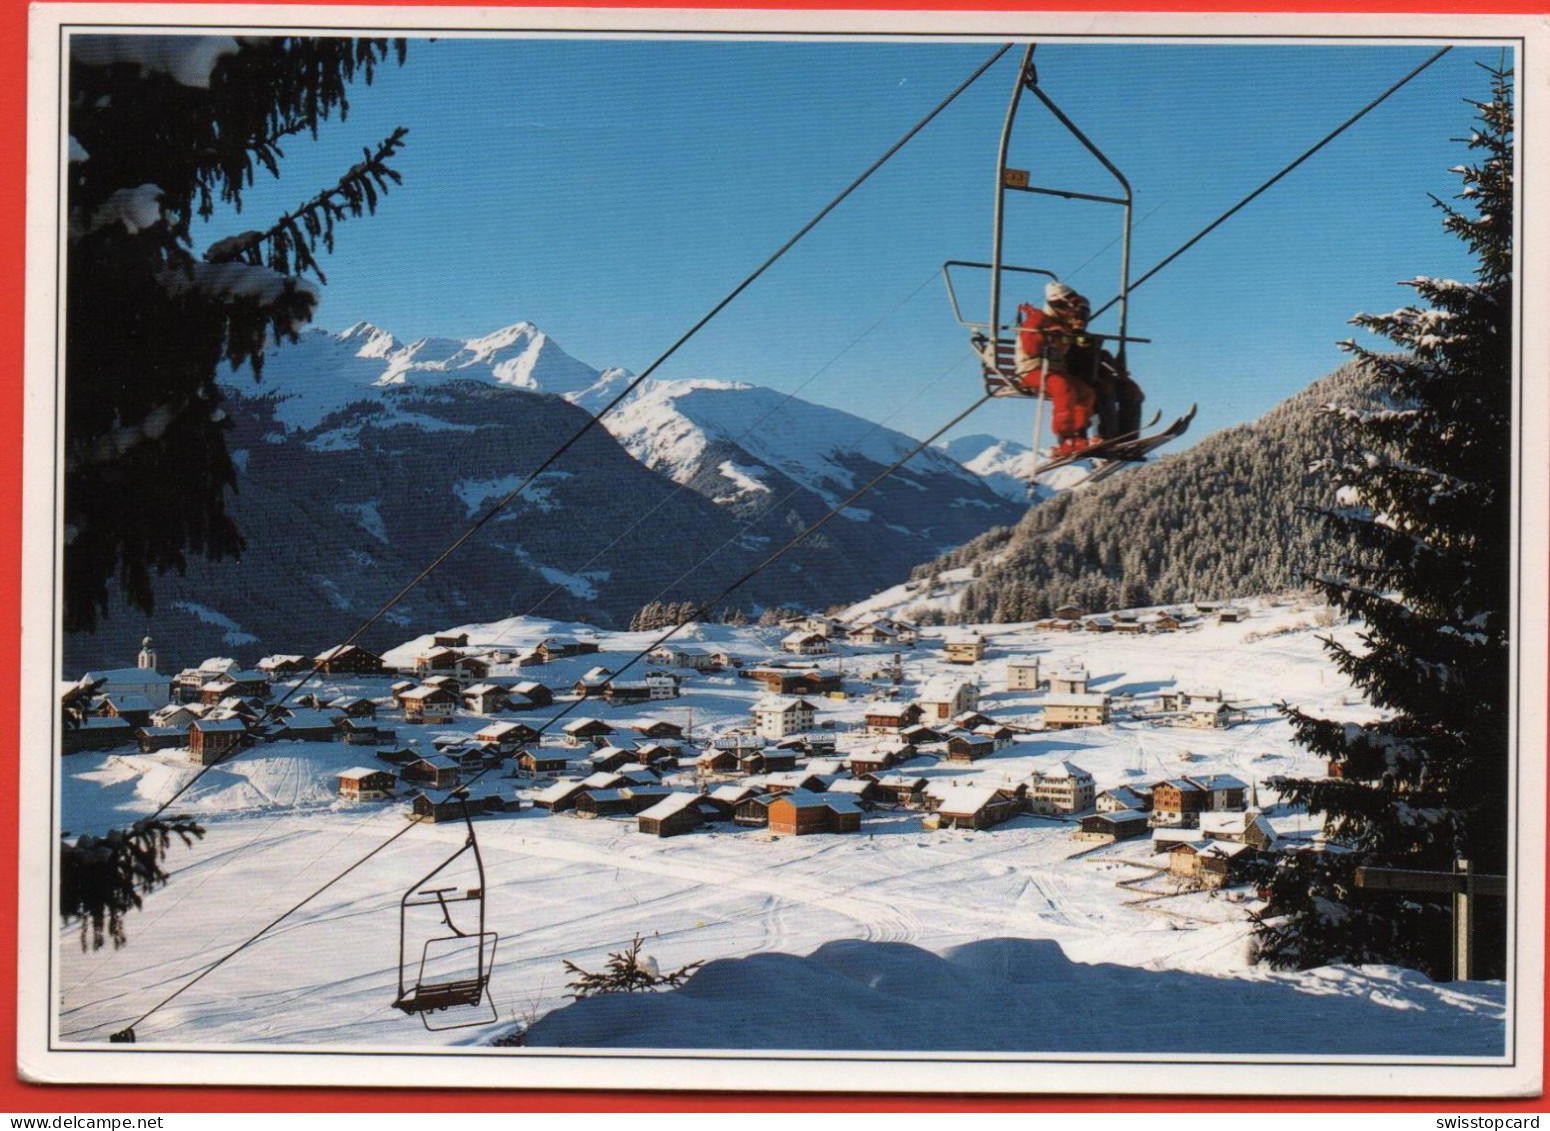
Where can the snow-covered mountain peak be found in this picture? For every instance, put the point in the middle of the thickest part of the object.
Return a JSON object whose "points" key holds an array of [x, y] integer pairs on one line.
{"points": [[372, 341]]}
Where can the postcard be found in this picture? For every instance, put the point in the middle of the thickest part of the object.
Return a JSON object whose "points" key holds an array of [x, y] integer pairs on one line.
{"points": [[833, 551]]}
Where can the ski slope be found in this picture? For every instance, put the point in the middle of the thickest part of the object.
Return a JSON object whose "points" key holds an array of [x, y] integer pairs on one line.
{"points": [[566, 888]]}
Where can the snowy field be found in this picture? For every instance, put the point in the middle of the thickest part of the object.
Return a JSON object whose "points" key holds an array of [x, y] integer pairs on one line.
{"points": [[1094, 934]]}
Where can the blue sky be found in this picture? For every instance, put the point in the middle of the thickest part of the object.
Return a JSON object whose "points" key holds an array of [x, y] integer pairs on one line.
{"points": [[612, 191]]}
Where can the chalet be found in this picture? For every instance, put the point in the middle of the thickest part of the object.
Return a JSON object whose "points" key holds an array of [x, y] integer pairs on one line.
{"points": [[360, 784], [776, 716], [561, 647], [355, 706], [1211, 864], [1061, 789], [536, 694], [1245, 827], [998, 733], [794, 681], [879, 756], [446, 682], [99, 733], [434, 771], [154, 738], [878, 632], [472, 668], [486, 698], [186, 683], [943, 698], [627, 691], [724, 800], [1022, 673], [282, 665], [801, 813], [436, 660], [973, 720], [920, 735], [399, 687], [562, 795], [769, 760], [476, 757], [212, 740], [537, 761], [176, 715], [1119, 824], [611, 758], [243, 684], [662, 685], [349, 659], [865, 791], [1189, 700], [629, 799], [361, 732], [507, 735], [134, 708], [1231, 614], [753, 812], [1123, 797], [964, 647], [963, 749], [1069, 681], [657, 728], [1179, 802], [307, 724], [1069, 612], [972, 807], [1128, 627], [398, 755], [1227, 792], [449, 641], [715, 761], [891, 718], [694, 659], [1099, 622], [1209, 716], [658, 753], [902, 789], [806, 643], [826, 627], [791, 780], [1161, 622], [1064, 712], [453, 808], [427, 704], [816, 744], [586, 732], [675, 814]]}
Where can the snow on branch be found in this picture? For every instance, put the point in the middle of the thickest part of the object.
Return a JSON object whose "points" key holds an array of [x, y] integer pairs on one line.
{"points": [[188, 60]]}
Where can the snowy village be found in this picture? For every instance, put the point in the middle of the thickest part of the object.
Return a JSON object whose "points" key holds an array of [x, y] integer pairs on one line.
{"points": [[415, 686]]}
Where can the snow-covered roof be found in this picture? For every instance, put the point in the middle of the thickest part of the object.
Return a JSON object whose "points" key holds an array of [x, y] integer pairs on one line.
{"points": [[500, 730], [893, 781], [1122, 816], [963, 638], [732, 793], [559, 791], [1076, 699], [942, 689], [484, 689], [581, 724], [669, 805], [1221, 781], [425, 692], [208, 726], [781, 703], [128, 701], [1062, 771], [358, 773], [961, 800], [1022, 661], [602, 780]]}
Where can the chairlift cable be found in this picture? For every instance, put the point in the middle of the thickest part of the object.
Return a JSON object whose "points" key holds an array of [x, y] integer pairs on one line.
{"points": [[505, 500]]}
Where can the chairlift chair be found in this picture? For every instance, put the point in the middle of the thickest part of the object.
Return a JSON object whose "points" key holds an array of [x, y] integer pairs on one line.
{"points": [[430, 994]]}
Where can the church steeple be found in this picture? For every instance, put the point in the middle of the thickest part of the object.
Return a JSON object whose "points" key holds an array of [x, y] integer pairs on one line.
{"points": [[147, 660]]}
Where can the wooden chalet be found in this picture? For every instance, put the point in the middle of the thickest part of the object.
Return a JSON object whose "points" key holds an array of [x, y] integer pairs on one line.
{"points": [[448, 640], [99, 733], [134, 708], [1244, 827], [472, 667], [507, 734], [891, 718], [1227, 792], [562, 647], [675, 814], [355, 706], [789, 781], [592, 682], [972, 807], [626, 800], [427, 704], [398, 755], [794, 681], [486, 698], [802, 643], [447, 683], [361, 732], [1000, 735], [436, 660], [721, 803], [717, 761], [283, 665], [361, 784], [753, 812], [902, 789], [1123, 797], [239, 684], [628, 691], [865, 791], [538, 761], [769, 760], [439, 810], [1120, 824], [154, 738], [433, 771], [963, 749], [1211, 864], [611, 758], [1179, 802], [1069, 612], [212, 740], [528, 693], [801, 814], [658, 728], [658, 753], [349, 659], [585, 732], [878, 756], [307, 724]]}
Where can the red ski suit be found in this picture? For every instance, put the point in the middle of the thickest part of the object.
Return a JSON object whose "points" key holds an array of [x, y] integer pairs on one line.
{"points": [[1045, 337]]}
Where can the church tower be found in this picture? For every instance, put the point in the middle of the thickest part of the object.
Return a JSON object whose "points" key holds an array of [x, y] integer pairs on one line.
{"points": [[147, 660]]}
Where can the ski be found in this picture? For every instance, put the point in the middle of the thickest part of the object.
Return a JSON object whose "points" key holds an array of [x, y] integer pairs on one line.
{"points": [[1136, 451], [1102, 447]]}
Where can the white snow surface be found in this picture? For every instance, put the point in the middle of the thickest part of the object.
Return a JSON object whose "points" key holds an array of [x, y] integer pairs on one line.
{"points": [[841, 923]]}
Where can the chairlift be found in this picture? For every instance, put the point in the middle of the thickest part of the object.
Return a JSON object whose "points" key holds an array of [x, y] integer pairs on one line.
{"points": [[994, 341], [470, 952]]}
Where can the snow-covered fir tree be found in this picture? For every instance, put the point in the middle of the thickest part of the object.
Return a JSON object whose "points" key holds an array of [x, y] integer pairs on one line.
{"points": [[1426, 491], [163, 129]]}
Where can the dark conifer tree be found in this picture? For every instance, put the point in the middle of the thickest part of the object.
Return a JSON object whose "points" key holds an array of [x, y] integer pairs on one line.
{"points": [[162, 129], [1426, 492]]}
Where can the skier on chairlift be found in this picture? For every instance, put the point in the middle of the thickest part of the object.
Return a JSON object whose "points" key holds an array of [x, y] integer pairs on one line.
{"points": [[1056, 357]]}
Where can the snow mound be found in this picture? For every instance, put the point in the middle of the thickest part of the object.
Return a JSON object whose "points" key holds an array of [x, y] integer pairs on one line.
{"points": [[1024, 995]]}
